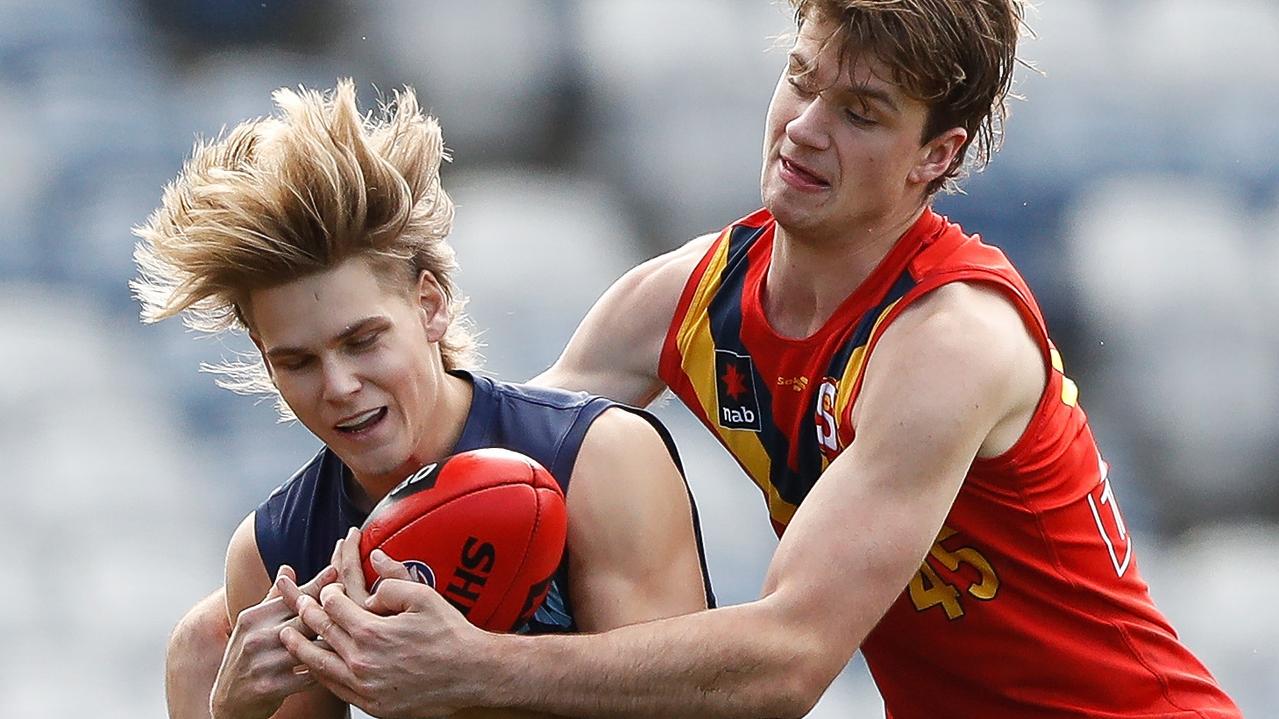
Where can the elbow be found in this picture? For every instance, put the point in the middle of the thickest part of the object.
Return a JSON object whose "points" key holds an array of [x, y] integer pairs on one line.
{"points": [[798, 692], [800, 674], [200, 635], [803, 657]]}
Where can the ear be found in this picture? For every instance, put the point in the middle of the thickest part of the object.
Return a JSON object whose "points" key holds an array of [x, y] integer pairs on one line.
{"points": [[433, 306], [937, 154]]}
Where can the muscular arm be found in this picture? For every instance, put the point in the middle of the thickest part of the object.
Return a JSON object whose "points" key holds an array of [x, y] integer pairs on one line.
{"points": [[632, 549], [962, 366], [633, 557], [616, 348]]}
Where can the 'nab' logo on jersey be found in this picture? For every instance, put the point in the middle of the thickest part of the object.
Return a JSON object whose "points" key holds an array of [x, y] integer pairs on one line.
{"points": [[735, 390]]}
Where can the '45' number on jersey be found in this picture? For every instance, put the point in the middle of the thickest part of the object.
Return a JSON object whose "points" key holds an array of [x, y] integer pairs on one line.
{"points": [[979, 580]]}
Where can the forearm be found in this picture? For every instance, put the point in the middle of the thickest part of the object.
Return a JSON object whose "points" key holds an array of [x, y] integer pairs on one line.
{"points": [[733, 662]]}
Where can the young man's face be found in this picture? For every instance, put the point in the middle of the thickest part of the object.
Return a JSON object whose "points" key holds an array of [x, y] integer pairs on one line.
{"points": [[356, 361], [842, 146]]}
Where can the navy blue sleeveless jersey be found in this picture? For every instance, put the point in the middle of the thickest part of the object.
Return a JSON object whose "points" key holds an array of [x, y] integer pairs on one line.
{"points": [[302, 519]]}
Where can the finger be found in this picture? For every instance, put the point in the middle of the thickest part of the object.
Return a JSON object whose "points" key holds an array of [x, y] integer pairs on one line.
{"points": [[327, 576], [388, 568], [300, 626], [348, 615], [271, 610], [337, 554], [349, 568], [322, 665], [322, 623], [395, 596], [285, 571], [290, 592]]}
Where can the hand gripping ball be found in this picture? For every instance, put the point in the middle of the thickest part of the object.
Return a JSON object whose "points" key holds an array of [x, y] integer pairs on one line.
{"points": [[485, 528]]}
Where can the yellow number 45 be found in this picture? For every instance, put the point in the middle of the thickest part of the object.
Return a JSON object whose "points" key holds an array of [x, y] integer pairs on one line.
{"points": [[928, 589]]}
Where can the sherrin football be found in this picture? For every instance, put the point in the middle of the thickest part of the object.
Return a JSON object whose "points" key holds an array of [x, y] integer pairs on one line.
{"points": [[485, 528]]}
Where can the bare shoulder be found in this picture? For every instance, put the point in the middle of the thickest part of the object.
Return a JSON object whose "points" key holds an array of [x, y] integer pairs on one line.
{"points": [[247, 581], [652, 288], [624, 466], [632, 544], [963, 320], [616, 348], [968, 345], [621, 440], [675, 266]]}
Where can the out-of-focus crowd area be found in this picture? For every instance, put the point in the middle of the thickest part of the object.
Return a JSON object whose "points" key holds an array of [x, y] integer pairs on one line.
{"points": [[1138, 192]]}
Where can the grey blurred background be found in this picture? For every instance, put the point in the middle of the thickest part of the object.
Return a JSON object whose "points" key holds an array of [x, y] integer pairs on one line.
{"points": [[1138, 192]]}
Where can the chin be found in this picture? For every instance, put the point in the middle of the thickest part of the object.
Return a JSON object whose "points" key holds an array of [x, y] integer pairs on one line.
{"points": [[383, 466], [790, 216]]}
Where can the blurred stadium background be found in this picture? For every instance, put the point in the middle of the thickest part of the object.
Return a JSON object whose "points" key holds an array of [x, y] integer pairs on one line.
{"points": [[1139, 192]]}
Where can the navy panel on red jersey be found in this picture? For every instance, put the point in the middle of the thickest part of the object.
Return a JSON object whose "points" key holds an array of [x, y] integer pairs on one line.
{"points": [[1033, 555], [300, 521]]}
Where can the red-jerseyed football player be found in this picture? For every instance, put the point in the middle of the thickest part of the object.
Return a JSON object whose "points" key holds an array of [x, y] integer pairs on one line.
{"points": [[888, 382]]}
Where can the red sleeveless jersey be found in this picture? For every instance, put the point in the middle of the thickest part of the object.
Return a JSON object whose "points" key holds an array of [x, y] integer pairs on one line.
{"points": [[1029, 603]]}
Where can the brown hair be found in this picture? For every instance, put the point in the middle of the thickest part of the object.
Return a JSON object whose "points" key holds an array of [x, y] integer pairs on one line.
{"points": [[957, 56], [280, 198]]}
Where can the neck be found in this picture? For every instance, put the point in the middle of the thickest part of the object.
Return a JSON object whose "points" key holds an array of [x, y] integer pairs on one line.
{"points": [[810, 273]]}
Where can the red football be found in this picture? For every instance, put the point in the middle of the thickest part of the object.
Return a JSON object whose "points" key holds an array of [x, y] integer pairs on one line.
{"points": [[486, 528]]}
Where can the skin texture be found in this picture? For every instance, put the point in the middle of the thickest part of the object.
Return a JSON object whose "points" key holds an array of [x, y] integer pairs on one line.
{"points": [[342, 347], [955, 377], [632, 559]]}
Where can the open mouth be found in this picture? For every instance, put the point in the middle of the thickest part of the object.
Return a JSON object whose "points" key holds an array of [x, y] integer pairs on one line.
{"points": [[361, 421], [799, 175]]}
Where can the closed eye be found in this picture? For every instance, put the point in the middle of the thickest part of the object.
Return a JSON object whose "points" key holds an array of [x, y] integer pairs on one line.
{"points": [[800, 89], [364, 342], [858, 119], [292, 364]]}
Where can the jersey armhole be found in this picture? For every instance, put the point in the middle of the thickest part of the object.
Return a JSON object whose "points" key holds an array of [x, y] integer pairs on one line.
{"points": [[669, 441], [669, 363], [1031, 319]]}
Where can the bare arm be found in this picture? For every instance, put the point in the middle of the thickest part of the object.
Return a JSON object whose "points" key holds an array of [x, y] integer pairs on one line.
{"points": [[633, 557], [193, 656], [852, 546], [257, 677], [632, 549], [616, 348]]}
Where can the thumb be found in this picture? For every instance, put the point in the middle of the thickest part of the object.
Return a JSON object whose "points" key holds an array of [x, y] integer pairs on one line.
{"points": [[388, 568], [397, 596]]}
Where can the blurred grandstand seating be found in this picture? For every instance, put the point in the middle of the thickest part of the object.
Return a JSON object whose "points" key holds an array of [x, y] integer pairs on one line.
{"points": [[1138, 190]]}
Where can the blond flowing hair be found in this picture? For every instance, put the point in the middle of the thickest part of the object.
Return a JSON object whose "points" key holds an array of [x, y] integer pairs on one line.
{"points": [[284, 197], [956, 56]]}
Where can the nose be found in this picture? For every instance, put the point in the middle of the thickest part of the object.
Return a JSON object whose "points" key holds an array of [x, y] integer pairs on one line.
{"points": [[340, 380], [808, 128]]}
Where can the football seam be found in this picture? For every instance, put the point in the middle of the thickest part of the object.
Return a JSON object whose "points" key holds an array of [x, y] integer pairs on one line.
{"points": [[537, 521], [528, 543], [405, 528]]}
